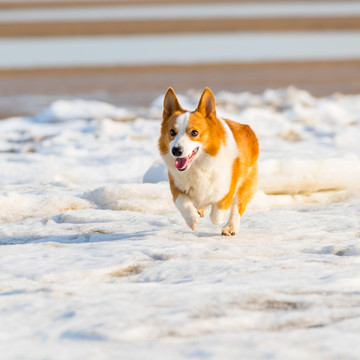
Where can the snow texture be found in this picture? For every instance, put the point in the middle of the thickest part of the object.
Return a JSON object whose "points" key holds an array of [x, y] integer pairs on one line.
{"points": [[97, 263]]}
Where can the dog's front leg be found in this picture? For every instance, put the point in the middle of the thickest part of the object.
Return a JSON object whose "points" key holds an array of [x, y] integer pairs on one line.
{"points": [[188, 211], [185, 205], [217, 215]]}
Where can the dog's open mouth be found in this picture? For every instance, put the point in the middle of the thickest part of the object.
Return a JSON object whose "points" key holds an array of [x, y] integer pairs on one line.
{"points": [[182, 163]]}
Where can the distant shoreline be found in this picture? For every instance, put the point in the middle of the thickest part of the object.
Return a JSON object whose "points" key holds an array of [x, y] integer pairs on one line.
{"points": [[25, 91], [131, 27], [43, 61]]}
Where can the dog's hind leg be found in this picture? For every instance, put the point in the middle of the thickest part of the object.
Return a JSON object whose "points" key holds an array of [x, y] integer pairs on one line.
{"points": [[244, 194], [247, 190], [233, 224]]}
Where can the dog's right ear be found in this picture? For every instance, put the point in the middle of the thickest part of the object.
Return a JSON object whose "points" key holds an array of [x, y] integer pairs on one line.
{"points": [[171, 103], [207, 104]]}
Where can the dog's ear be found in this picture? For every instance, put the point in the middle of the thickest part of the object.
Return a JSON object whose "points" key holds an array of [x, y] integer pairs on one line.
{"points": [[207, 104], [171, 103]]}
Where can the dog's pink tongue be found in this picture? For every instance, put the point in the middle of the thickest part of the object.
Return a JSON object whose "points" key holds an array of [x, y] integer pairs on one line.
{"points": [[180, 162]]}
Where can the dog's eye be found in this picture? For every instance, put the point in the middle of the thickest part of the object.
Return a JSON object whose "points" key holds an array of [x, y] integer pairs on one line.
{"points": [[194, 133], [172, 132]]}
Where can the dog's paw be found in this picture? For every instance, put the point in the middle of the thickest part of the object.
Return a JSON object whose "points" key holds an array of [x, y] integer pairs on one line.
{"points": [[201, 212], [188, 211], [229, 230], [192, 220]]}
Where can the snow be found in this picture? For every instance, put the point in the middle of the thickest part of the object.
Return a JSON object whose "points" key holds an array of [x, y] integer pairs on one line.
{"points": [[62, 110], [97, 262]]}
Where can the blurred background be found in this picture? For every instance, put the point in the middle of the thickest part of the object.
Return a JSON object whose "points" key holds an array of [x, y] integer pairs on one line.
{"points": [[129, 52]]}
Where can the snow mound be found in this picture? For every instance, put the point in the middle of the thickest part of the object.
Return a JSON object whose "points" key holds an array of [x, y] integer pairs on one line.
{"points": [[156, 198], [156, 173], [293, 175], [17, 206], [304, 176], [146, 198], [64, 110]]}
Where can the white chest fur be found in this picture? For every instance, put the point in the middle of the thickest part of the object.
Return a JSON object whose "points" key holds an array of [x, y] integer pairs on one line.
{"points": [[208, 179]]}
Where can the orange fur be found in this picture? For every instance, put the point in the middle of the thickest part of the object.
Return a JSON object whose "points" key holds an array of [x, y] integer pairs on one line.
{"points": [[244, 175], [205, 116], [212, 133], [246, 142], [247, 190]]}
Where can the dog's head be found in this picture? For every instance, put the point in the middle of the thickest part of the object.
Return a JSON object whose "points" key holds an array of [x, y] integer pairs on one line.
{"points": [[185, 135]]}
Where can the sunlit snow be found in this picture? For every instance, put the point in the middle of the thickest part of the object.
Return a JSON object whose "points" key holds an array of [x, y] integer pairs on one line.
{"points": [[97, 263]]}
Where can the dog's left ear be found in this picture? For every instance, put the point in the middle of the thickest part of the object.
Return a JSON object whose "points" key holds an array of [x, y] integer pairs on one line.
{"points": [[207, 104], [171, 103]]}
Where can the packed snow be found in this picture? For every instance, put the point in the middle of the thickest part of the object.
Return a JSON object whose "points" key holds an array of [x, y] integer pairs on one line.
{"points": [[97, 263]]}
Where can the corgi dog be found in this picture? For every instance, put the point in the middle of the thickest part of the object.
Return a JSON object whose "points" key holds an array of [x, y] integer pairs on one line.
{"points": [[212, 162]]}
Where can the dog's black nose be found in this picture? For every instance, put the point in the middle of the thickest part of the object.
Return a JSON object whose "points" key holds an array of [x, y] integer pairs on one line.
{"points": [[177, 150]]}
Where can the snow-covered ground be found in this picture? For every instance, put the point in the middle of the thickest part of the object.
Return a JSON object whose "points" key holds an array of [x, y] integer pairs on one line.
{"points": [[96, 263]]}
